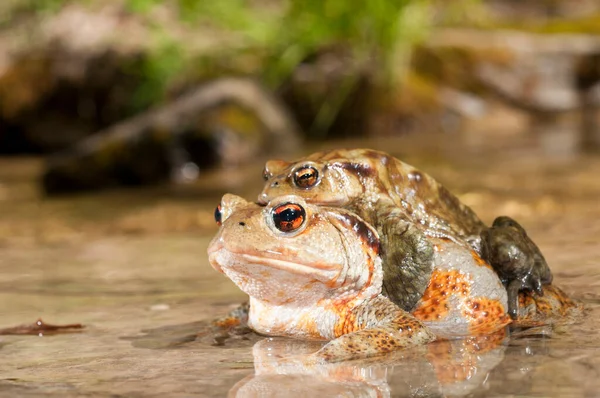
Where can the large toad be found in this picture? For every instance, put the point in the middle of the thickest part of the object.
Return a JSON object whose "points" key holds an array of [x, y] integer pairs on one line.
{"points": [[410, 210], [315, 273]]}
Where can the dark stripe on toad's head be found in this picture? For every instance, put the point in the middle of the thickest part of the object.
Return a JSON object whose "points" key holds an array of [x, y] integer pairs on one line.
{"points": [[361, 170], [365, 233]]}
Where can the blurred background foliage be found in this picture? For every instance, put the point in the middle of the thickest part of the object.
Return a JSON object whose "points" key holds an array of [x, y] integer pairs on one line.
{"points": [[337, 65], [281, 34], [270, 38], [267, 39], [75, 73]]}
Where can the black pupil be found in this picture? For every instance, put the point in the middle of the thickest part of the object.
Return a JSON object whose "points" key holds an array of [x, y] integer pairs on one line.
{"points": [[218, 214], [288, 215], [306, 177], [289, 219]]}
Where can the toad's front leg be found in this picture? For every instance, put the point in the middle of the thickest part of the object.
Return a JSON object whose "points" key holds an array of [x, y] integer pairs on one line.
{"points": [[384, 328], [238, 317], [233, 324], [407, 258]]}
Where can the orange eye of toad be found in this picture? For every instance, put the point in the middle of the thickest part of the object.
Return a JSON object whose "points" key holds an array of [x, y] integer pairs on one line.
{"points": [[266, 175], [306, 177], [218, 215], [288, 217]]}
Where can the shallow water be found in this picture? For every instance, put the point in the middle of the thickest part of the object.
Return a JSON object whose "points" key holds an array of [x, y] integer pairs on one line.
{"points": [[131, 265]]}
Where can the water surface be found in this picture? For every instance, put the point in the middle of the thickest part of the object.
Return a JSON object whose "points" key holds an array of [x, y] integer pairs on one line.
{"points": [[131, 265]]}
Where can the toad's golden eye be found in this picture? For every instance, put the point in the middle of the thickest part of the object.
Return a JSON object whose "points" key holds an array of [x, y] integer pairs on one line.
{"points": [[218, 215], [288, 217], [306, 177]]}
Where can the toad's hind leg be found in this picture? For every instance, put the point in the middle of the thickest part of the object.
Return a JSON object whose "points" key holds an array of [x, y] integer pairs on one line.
{"points": [[389, 329], [516, 259], [512, 291]]}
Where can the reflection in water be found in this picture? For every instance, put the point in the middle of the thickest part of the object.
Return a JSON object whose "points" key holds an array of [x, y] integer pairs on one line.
{"points": [[532, 362], [443, 368], [478, 366], [522, 361]]}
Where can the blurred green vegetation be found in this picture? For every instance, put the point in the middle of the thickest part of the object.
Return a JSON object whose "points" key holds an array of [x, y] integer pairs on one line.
{"points": [[270, 38], [155, 72], [281, 34]]}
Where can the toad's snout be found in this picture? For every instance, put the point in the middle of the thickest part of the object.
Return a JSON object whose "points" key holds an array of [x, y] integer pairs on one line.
{"points": [[215, 246], [270, 191]]}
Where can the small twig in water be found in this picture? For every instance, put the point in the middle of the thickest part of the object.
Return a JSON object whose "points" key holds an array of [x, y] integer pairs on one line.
{"points": [[40, 328]]}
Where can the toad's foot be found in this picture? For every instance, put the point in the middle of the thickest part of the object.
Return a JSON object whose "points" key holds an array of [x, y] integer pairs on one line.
{"points": [[531, 282], [554, 307], [388, 329], [517, 260]]}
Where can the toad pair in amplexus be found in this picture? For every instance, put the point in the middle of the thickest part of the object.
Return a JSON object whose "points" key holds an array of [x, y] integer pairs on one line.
{"points": [[363, 250]]}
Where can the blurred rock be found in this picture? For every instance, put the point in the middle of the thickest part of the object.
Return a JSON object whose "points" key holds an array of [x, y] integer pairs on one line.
{"points": [[224, 123], [463, 103], [549, 77], [72, 73], [65, 77], [588, 83], [71, 84], [44, 110], [541, 9]]}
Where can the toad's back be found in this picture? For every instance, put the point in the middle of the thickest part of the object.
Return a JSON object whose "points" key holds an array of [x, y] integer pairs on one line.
{"points": [[426, 201]]}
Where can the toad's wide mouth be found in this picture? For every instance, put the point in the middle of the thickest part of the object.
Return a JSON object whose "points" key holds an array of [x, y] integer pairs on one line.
{"points": [[223, 258]]}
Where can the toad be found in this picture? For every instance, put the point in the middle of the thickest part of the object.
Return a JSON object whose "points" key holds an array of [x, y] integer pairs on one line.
{"points": [[410, 210], [315, 272]]}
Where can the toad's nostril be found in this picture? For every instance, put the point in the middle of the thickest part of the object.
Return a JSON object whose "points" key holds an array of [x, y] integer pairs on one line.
{"points": [[243, 224], [275, 184], [263, 199]]}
